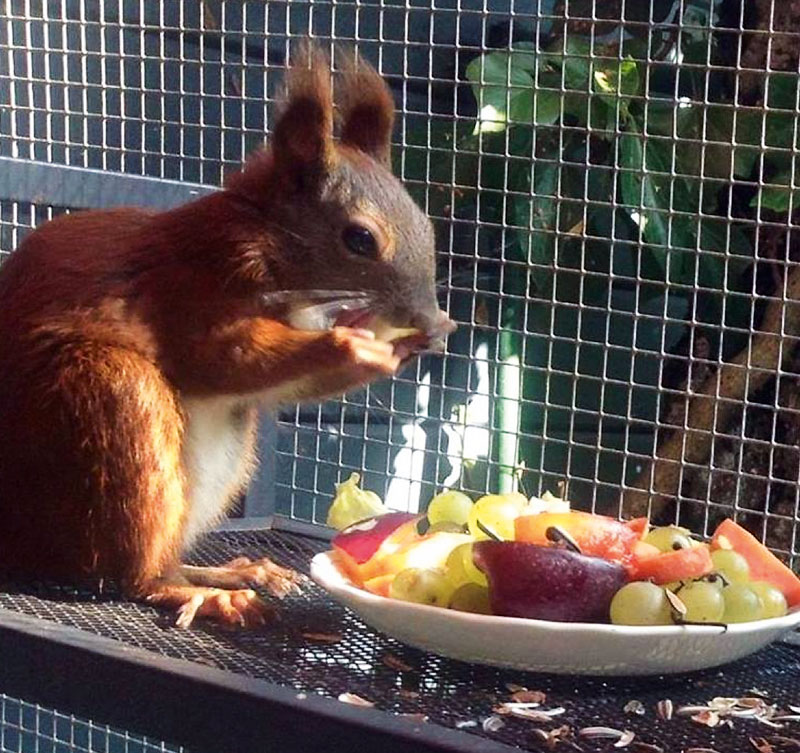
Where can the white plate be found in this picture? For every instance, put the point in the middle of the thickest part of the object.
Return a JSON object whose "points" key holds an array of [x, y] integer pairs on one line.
{"points": [[545, 646]]}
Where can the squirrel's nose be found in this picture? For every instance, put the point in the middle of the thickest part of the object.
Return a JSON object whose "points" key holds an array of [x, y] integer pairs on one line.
{"points": [[444, 324], [435, 327]]}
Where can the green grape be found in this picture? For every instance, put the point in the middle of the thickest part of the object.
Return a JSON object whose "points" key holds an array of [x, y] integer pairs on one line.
{"points": [[730, 565], [497, 512], [772, 599], [422, 586], [640, 603], [715, 580], [459, 567], [449, 507], [712, 579], [669, 538], [445, 526], [742, 604], [470, 597], [703, 601]]}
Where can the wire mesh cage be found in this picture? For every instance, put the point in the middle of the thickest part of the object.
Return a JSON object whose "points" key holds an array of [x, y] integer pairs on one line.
{"points": [[613, 189], [26, 726]]}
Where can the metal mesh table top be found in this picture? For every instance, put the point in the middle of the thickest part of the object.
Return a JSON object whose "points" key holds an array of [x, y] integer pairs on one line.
{"points": [[319, 647]]}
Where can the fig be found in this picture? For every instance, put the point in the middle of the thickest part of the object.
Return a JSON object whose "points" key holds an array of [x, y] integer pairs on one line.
{"points": [[547, 583]]}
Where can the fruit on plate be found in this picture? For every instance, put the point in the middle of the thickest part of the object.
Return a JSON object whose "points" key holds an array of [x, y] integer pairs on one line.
{"points": [[425, 552], [496, 513], [379, 585], [470, 597], [391, 543], [640, 603], [537, 558], [596, 535], [703, 601], [352, 504], [449, 507], [763, 565], [773, 602], [422, 585], [742, 604], [361, 540], [730, 565], [547, 583], [669, 538], [357, 545], [460, 567], [679, 564]]}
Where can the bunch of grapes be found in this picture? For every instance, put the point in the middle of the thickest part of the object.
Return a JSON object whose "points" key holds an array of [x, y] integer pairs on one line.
{"points": [[727, 595]]}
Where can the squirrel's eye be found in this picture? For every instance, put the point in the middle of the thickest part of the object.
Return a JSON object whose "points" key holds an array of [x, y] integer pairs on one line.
{"points": [[360, 240]]}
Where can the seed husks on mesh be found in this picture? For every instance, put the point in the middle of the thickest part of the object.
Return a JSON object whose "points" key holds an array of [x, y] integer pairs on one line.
{"points": [[354, 700], [622, 738], [723, 710], [641, 747], [775, 744], [707, 717], [554, 737], [634, 707], [523, 695], [664, 709], [322, 637], [396, 663], [529, 711], [412, 717], [492, 724]]}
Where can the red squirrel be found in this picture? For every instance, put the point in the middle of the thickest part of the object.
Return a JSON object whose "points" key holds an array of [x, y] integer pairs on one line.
{"points": [[136, 348]]}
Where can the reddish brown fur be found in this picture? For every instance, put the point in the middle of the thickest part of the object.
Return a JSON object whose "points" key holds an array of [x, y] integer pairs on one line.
{"points": [[111, 320], [367, 110]]}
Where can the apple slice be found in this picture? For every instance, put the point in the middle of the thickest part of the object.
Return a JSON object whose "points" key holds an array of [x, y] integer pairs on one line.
{"points": [[547, 583], [361, 540]]}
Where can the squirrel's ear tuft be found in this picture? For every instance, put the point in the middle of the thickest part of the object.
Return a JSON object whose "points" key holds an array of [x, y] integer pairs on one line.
{"points": [[367, 109], [302, 142]]}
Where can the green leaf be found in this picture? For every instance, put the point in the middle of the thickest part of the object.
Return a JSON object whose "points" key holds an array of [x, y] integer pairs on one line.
{"points": [[776, 199], [782, 90], [638, 190], [621, 79], [536, 218], [573, 58], [723, 249], [666, 118], [718, 235], [548, 107], [628, 79], [779, 198], [603, 114], [501, 67], [744, 160], [503, 85]]}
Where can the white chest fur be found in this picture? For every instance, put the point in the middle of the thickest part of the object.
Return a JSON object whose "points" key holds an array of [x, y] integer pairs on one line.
{"points": [[217, 459]]}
